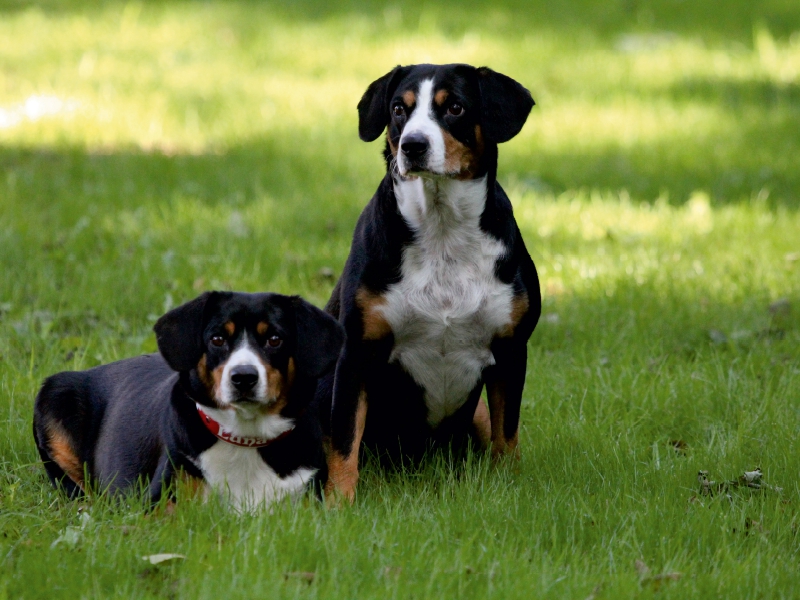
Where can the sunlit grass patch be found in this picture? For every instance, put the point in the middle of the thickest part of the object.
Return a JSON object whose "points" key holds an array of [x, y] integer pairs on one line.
{"points": [[583, 237]]}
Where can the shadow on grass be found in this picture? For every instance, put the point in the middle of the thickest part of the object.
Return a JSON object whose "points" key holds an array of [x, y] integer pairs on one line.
{"points": [[754, 155], [738, 94]]}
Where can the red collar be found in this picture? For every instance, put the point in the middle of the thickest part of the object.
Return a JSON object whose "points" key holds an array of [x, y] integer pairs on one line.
{"points": [[216, 428]]}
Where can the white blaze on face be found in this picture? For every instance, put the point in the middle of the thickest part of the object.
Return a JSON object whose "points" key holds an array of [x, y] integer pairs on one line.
{"points": [[244, 355], [422, 122]]}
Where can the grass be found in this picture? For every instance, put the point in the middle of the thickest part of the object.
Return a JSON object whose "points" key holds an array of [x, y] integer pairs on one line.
{"points": [[152, 150]]}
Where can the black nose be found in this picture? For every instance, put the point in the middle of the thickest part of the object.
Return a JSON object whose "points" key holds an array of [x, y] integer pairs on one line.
{"points": [[414, 145], [244, 377]]}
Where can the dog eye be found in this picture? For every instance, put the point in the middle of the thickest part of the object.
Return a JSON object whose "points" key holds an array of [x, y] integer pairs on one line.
{"points": [[218, 340], [398, 110], [274, 341], [455, 109]]}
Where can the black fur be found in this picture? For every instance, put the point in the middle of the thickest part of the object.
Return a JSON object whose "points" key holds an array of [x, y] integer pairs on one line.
{"points": [[505, 105], [372, 113], [495, 106], [135, 421], [179, 333]]}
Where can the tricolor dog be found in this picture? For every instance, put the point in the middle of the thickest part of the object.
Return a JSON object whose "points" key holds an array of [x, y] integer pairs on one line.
{"points": [[439, 295], [228, 399]]}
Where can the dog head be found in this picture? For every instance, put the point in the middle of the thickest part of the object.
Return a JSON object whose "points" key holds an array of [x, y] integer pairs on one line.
{"points": [[247, 350], [441, 119]]}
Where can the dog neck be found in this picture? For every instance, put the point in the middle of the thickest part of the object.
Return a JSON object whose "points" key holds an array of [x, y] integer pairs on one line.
{"points": [[266, 427], [440, 205], [219, 430]]}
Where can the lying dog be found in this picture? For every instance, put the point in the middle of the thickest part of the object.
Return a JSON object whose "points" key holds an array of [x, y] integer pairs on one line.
{"points": [[229, 399], [439, 295]]}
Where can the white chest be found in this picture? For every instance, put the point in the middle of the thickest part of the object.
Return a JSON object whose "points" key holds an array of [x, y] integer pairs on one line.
{"points": [[245, 480], [448, 305]]}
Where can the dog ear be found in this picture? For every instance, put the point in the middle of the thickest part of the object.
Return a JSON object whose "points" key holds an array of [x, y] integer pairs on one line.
{"points": [[179, 333], [373, 109], [320, 338], [506, 105]]}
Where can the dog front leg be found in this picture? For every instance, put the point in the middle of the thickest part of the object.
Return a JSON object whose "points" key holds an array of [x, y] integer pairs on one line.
{"points": [[348, 416], [162, 480], [504, 383]]}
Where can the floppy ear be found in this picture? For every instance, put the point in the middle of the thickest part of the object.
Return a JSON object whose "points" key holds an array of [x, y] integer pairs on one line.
{"points": [[373, 109], [179, 333], [506, 105], [320, 338]]}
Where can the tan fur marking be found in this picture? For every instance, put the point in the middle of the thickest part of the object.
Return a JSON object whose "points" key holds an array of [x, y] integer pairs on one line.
{"points": [[343, 470], [211, 380], [275, 384], [376, 326], [409, 98], [290, 371], [482, 424], [519, 308], [278, 387], [440, 97], [230, 327], [480, 146], [457, 156], [461, 160], [262, 328], [497, 406], [64, 455]]}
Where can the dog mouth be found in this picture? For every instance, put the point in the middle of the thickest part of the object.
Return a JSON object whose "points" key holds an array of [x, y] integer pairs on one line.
{"points": [[246, 401], [251, 402], [249, 408], [416, 168]]}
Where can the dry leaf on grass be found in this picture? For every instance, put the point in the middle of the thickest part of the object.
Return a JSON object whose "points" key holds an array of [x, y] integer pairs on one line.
{"points": [[326, 273], [157, 559], [71, 535]]}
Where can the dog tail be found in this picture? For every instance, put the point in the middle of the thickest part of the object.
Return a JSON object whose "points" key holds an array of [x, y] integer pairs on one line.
{"points": [[61, 419]]}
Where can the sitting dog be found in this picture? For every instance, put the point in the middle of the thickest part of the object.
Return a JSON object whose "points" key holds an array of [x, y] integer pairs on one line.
{"points": [[229, 399], [439, 295]]}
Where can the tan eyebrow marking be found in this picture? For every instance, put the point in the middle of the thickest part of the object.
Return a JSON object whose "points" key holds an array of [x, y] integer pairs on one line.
{"points": [[230, 327], [440, 97], [409, 98], [261, 328]]}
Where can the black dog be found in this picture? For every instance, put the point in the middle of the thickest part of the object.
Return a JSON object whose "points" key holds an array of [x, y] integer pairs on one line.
{"points": [[229, 399], [439, 295]]}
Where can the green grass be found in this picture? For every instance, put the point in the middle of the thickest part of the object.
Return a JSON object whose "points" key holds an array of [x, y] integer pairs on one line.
{"points": [[198, 145]]}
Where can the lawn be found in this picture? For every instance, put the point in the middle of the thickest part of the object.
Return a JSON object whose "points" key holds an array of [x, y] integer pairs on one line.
{"points": [[151, 150]]}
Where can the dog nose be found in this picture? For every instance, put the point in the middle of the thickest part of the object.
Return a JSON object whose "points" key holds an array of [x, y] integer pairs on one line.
{"points": [[414, 145], [244, 377]]}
